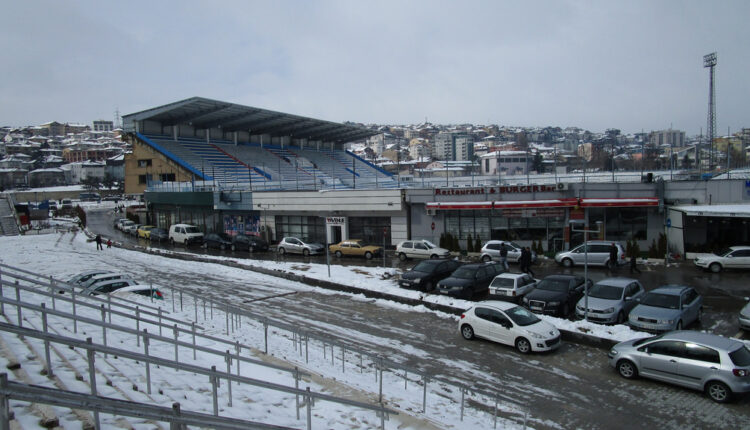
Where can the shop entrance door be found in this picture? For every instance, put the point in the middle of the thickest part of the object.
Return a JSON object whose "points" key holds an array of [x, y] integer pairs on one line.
{"points": [[335, 234]]}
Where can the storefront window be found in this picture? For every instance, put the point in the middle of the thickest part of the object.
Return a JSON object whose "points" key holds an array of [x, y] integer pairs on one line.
{"points": [[624, 224], [370, 229], [311, 228]]}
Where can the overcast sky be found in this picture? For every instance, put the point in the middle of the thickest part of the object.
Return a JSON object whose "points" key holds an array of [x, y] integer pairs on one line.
{"points": [[630, 65]]}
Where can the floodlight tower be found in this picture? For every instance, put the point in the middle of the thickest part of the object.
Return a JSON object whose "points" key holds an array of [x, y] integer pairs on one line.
{"points": [[709, 61]]}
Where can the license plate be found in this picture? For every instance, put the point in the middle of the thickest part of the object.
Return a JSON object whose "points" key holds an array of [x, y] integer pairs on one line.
{"points": [[405, 283], [536, 308]]}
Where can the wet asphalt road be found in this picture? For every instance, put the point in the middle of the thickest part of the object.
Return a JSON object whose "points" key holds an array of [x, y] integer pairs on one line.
{"points": [[572, 387]]}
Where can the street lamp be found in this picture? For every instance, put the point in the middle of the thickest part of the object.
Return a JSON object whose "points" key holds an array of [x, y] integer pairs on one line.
{"points": [[585, 232]]}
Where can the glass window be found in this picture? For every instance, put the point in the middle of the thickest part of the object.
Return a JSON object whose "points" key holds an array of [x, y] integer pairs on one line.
{"points": [[670, 348], [741, 356], [702, 353]]}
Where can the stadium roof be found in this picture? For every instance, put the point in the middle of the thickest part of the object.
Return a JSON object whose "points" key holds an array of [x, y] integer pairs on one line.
{"points": [[205, 113]]}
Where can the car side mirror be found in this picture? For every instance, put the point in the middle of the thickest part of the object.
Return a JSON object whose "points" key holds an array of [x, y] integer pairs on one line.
{"points": [[628, 298]]}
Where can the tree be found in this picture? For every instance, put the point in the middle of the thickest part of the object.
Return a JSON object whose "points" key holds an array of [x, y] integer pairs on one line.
{"points": [[108, 181], [91, 183], [538, 163]]}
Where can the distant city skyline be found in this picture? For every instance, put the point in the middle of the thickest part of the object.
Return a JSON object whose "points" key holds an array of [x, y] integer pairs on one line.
{"points": [[595, 65]]}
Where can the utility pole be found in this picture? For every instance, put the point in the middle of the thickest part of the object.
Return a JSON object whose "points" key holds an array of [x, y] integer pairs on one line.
{"points": [[709, 61]]}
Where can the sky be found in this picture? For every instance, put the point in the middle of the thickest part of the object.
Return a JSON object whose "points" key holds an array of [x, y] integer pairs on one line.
{"points": [[635, 65]]}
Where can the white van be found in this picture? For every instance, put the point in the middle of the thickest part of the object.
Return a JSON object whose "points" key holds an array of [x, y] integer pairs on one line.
{"points": [[185, 234]]}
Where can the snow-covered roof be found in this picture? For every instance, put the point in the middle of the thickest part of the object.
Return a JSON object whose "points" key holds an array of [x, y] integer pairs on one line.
{"points": [[740, 210]]}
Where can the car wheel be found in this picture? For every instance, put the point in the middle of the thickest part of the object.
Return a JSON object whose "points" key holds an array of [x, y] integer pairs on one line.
{"points": [[171, 241], [434, 256], [338, 254], [620, 318], [282, 251], [428, 286], [679, 325], [486, 258], [715, 267], [523, 345], [368, 255], [402, 256], [627, 369], [567, 263], [234, 248], [566, 310], [250, 248], [306, 252], [205, 245], [467, 332], [186, 242], [718, 392]]}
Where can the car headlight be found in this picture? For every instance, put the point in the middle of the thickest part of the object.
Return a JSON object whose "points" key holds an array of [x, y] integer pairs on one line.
{"points": [[613, 351], [525, 300], [579, 307], [665, 321], [553, 303], [416, 280], [608, 310], [535, 335]]}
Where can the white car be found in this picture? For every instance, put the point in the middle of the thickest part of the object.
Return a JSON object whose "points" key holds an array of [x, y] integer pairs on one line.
{"points": [[509, 324], [185, 234], [734, 257], [420, 249], [511, 286]]}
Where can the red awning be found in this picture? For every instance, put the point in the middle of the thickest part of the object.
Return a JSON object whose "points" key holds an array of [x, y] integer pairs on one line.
{"points": [[620, 203], [551, 203]]}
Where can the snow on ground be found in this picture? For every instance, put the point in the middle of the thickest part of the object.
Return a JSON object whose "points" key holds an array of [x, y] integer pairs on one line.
{"points": [[64, 254]]}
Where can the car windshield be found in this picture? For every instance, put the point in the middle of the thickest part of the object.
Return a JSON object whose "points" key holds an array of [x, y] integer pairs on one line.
{"points": [[740, 356], [657, 300], [521, 316], [641, 341], [426, 266], [560, 285], [502, 282], [609, 292], [224, 236], [514, 245], [192, 229], [723, 252], [464, 273], [429, 244]]}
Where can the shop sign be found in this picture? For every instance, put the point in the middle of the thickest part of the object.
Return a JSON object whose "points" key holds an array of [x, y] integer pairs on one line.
{"points": [[505, 189], [335, 220], [532, 212]]}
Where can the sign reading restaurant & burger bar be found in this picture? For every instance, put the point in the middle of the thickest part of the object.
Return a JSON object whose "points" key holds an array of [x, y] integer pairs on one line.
{"points": [[505, 189]]}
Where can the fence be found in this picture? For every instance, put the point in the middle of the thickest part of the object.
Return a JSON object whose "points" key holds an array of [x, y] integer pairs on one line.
{"points": [[492, 403]]}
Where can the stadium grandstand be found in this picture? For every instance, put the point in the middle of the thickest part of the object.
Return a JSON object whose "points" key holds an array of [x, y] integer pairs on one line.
{"points": [[221, 145]]}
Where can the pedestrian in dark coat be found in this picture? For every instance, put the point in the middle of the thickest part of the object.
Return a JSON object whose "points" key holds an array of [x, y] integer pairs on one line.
{"points": [[613, 256], [99, 242], [504, 255], [633, 263]]}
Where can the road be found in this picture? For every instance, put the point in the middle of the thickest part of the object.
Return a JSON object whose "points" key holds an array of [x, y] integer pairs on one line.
{"points": [[569, 388]]}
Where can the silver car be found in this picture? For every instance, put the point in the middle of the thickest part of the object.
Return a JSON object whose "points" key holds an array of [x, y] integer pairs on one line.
{"points": [[294, 245], [716, 365], [666, 308], [597, 254], [610, 300], [491, 251]]}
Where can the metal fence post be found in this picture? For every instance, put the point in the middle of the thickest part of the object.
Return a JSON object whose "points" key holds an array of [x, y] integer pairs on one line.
{"points": [[192, 329], [494, 424], [343, 360], [18, 305], [380, 389], [176, 347], [463, 393], [75, 317], [180, 300], [148, 365], [137, 326], [104, 326], [265, 333], [204, 309], [228, 359], [238, 348], [4, 405], [424, 395], [109, 308], [309, 409], [382, 417], [92, 378], [296, 385], [195, 302], [172, 299], [52, 291], [214, 391], [174, 425], [307, 341], [226, 312], [46, 342], [158, 311]]}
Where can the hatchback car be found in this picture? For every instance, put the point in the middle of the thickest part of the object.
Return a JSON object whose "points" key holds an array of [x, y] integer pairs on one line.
{"points": [[556, 295], [248, 242], [105, 277], [217, 240], [294, 245], [426, 274], [469, 281], [420, 249], [141, 290], [491, 251], [713, 364], [107, 287], [355, 248], [611, 300], [126, 225], [144, 231], [509, 324], [734, 257], [511, 286], [82, 277], [596, 252], [158, 235], [666, 308]]}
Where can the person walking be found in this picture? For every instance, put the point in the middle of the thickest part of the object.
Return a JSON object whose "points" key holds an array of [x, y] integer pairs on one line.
{"points": [[527, 261], [613, 256], [504, 256], [98, 240], [633, 264], [109, 243]]}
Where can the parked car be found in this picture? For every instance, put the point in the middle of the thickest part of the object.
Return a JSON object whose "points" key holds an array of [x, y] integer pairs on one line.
{"points": [[144, 231], [185, 234], [734, 257], [716, 365], [107, 287], [126, 225], [611, 300], [469, 281], [511, 286], [491, 251], [133, 230], [140, 289], [355, 248], [509, 324], [217, 240], [426, 274], [420, 249], [104, 277], [82, 277], [249, 242], [118, 223], [597, 254], [744, 317], [158, 235], [666, 308], [294, 245], [556, 295]]}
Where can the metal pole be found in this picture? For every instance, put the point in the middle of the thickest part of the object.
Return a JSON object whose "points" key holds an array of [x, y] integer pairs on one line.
{"points": [[104, 326], [46, 342], [92, 379], [265, 334], [424, 395], [192, 329], [148, 365], [159, 312], [18, 305], [176, 346], [309, 409], [463, 394], [296, 386], [228, 359], [214, 390], [73, 300], [137, 326], [4, 406]]}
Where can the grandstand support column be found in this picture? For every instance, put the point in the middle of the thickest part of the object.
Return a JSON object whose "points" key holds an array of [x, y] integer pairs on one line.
{"points": [[208, 135], [234, 137]]}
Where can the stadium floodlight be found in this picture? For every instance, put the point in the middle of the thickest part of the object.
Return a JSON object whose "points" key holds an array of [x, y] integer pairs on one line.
{"points": [[709, 60]]}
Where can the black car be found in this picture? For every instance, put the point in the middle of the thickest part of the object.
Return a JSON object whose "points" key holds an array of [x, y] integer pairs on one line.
{"points": [[250, 243], [556, 295], [470, 281], [217, 240], [427, 273], [158, 234]]}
